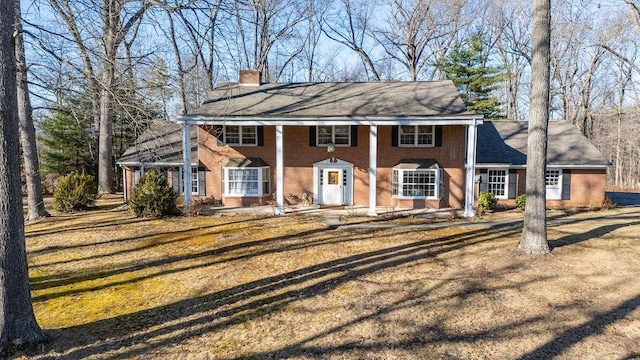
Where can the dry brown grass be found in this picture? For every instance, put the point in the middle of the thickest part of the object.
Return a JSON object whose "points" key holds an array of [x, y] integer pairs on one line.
{"points": [[110, 286]]}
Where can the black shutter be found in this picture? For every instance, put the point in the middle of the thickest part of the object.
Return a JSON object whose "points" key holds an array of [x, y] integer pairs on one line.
{"points": [[260, 130], [566, 184], [484, 180], [354, 135], [394, 135], [438, 135], [513, 176], [175, 180], [218, 131], [312, 136]]}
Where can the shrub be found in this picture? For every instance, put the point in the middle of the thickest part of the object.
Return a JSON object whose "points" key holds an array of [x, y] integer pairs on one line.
{"points": [[152, 196], [75, 192], [521, 201], [487, 201]]}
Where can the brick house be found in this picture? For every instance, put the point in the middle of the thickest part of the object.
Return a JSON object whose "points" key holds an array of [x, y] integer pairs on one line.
{"points": [[400, 144], [576, 170]]}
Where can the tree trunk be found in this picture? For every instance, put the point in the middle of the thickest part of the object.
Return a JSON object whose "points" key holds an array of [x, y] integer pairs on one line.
{"points": [[35, 201], [110, 19], [18, 326], [534, 232]]}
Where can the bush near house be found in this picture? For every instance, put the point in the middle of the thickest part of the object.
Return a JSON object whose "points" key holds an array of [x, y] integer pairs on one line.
{"points": [[152, 196], [521, 201], [75, 192], [487, 201]]}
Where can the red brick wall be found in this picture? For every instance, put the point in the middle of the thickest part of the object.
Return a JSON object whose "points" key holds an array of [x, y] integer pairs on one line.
{"points": [[299, 158], [587, 189]]}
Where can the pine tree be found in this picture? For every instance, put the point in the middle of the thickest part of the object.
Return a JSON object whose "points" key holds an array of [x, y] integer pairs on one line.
{"points": [[467, 65]]}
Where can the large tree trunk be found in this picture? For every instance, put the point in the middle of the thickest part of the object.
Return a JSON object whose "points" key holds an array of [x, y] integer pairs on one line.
{"points": [[35, 201], [18, 324], [534, 232]]}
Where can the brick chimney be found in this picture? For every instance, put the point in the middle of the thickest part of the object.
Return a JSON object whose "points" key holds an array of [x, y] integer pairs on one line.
{"points": [[249, 78]]}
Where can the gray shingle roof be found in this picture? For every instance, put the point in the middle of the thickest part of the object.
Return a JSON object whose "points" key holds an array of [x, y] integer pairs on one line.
{"points": [[310, 100], [505, 142], [160, 144]]}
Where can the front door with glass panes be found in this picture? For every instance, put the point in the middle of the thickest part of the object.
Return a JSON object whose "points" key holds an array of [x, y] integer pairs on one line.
{"points": [[333, 185]]}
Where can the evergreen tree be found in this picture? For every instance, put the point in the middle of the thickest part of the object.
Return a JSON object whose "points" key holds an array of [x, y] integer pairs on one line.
{"points": [[467, 66], [67, 143]]}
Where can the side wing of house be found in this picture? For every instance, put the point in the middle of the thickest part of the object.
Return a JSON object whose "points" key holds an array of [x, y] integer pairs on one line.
{"points": [[576, 170]]}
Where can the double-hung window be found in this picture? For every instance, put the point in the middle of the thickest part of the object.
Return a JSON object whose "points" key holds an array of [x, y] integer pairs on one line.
{"points": [[497, 183], [241, 135], [418, 183], [553, 182], [247, 181], [339, 135], [195, 177], [416, 135]]}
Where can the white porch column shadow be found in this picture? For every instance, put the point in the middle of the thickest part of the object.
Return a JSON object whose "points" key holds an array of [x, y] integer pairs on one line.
{"points": [[186, 165], [279, 170], [373, 168], [472, 131]]}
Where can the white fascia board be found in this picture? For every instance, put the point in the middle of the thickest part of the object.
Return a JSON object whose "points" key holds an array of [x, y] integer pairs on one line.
{"points": [[152, 164], [314, 121], [502, 166]]}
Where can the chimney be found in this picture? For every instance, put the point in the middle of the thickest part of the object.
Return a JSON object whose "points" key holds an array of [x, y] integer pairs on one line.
{"points": [[249, 78]]}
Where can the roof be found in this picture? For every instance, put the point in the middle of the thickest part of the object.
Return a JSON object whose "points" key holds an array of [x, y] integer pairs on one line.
{"points": [[160, 144], [245, 162], [332, 100], [505, 142], [415, 164]]}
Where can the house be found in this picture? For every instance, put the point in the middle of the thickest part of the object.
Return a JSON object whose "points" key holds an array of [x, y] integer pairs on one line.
{"points": [[576, 170], [392, 144], [160, 147]]}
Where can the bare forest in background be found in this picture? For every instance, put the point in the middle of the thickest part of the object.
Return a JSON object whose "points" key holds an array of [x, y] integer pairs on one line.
{"points": [[111, 66]]}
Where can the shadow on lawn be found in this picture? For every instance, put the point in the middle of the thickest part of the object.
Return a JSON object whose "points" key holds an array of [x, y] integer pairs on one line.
{"points": [[150, 330], [138, 332]]}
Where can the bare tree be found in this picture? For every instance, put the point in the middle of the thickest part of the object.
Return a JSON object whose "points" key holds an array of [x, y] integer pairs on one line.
{"points": [[534, 232], [18, 326], [350, 26], [419, 31], [35, 200]]}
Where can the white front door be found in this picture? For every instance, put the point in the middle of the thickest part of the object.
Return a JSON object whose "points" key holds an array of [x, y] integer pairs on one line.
{"points": [[332, 187]]}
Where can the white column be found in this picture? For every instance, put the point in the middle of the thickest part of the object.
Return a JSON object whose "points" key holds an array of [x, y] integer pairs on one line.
{"points": [[373, 168], [279, 170], [186, 164], [124, 184], [469, 183]]}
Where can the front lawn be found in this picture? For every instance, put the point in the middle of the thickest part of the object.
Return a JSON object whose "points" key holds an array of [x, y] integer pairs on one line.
{"points": [[107, 285]]}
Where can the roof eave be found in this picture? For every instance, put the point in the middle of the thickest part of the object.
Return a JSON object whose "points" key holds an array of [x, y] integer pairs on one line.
{"points": [[467, 119]]}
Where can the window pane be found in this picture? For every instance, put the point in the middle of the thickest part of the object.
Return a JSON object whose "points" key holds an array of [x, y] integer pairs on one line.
{"points": [[341, 135], [325, 135], [249, 135], [416, 183], [497, 182], [553, 178], [232, 134], [425, 135], [407, 135]]}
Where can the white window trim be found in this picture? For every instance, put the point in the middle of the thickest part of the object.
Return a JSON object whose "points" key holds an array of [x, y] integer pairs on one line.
{"points": [[195, 180], [240, 139], [260, 181], [333, 136], [506, 183], [438, 178], [415, 138]]}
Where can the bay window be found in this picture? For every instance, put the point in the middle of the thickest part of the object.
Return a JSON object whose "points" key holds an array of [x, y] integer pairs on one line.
{"points": [[418, 183]]}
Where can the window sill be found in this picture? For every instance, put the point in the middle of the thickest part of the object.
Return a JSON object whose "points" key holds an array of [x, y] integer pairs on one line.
{"points": [[416, 146], [244, 196], [415, 197]]}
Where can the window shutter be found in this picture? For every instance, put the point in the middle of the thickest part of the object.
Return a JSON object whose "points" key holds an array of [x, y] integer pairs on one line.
{"points": [[218, 131], [201, 182], [354, 135], [484, 185], [438, 135], [512, 183], [394, 135], [312, 136], [175, 180], [260, 130], [566, 184]]}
